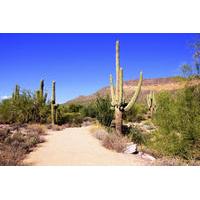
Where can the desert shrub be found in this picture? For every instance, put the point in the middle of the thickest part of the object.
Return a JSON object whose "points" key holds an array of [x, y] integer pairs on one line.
{"points": [[24, 109], [89, 110], [75, 119], [37, 128], [10, 156], [74, 108], [101, 134], [136, 113], [136, 136], [14, 145], [104, 114], [57, 127], [115, 142], [178, 119]]}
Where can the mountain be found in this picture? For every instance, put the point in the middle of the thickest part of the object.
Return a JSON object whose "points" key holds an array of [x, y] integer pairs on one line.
{"points": [[157, 85]]}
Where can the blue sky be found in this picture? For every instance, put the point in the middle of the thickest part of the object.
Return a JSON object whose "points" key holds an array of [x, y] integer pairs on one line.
{"points": [[81, 63]]}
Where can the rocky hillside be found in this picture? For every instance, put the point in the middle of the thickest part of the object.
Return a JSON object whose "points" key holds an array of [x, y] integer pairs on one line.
{"points": [[157, 85]]}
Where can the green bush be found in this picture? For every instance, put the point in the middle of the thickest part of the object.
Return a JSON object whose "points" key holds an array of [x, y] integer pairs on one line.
{"points": [[136, 136], [73, 108], [136, 113], [178, 119], [24, 109], [72, 118], [89, 110], [104, 114]]}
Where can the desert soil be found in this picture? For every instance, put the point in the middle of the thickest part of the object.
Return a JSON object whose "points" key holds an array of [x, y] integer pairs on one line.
{"points": [[78, 147]]}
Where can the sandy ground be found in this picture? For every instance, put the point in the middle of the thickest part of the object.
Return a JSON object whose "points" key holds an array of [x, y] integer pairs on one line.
{"points": [[77, 147]]}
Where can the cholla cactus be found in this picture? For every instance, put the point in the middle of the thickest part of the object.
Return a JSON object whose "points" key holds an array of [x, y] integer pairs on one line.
{"points": [[117, 94], [151, 102]]}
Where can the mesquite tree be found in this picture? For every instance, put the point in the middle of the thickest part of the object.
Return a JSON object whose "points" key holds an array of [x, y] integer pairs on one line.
{"points": [[117, 94]]}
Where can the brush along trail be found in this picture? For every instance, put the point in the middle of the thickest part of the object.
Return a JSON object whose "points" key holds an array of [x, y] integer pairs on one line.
{"points": [[78, 147]]}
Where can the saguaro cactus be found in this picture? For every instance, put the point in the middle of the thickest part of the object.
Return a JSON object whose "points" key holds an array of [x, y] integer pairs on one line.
{"points": [[42, 89], [151, 102], [16, 93], [117, 94], [54, 106], [41, 97]]}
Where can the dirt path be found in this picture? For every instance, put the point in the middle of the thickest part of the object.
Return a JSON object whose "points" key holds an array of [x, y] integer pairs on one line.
{"points": [[77, 146]]}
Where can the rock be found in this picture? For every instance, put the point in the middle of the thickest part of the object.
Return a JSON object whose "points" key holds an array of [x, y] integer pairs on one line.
{"points": [[131, 149], [146, 156], [86, 123]]}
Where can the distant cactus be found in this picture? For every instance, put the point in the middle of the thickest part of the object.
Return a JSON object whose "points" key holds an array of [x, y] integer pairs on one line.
{"points": [[151, 103], [54, 106], [41, 97], [16, 93], [118, 102], [42, 88]]}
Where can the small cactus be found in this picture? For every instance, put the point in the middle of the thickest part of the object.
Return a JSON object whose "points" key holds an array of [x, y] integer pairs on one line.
{"points": [[118, 103], [151, 103]]}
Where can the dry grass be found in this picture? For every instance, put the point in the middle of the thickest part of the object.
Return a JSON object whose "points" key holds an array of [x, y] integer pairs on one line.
{"points": [[15, 143], [110, 141], [98, 131], [10, 156], [37, 128], [115, 142], [93, 129], [55, 127], [101, 134]]}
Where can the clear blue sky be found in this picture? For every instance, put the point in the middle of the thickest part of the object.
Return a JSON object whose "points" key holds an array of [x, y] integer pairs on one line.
{"points": [[81, 63]]}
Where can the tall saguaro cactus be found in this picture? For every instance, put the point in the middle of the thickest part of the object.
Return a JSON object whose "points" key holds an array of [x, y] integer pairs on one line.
{"points": [[53, 103], [151, 102], [117, 94]]}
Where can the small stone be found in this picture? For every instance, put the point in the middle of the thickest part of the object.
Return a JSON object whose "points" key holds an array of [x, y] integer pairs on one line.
{"points": [[131, 149], [146, 156]]}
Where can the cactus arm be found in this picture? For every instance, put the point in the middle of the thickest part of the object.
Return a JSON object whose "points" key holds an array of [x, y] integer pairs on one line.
{"points": [[112, 90], [121, 87], [134, 98]]}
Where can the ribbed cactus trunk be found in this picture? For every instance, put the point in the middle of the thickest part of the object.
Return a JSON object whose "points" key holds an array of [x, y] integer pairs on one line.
{"points": [[53, 102], [42, 89], [117, 94], [118, 120]]}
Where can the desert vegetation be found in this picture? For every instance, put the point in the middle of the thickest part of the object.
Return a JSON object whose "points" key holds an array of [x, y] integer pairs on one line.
{"points": [[164, 124], [18, 140]]}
